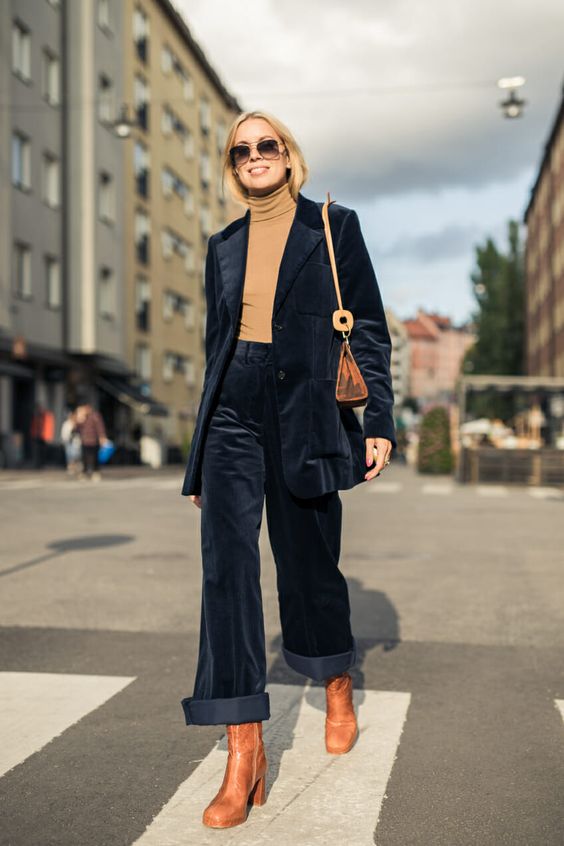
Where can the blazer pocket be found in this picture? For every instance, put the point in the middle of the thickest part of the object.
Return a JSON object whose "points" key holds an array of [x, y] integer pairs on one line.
{"points": [[327, 434], [315, 290]]}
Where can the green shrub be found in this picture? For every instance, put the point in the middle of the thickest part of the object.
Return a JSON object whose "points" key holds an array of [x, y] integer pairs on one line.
{"points": [[435, 453]]}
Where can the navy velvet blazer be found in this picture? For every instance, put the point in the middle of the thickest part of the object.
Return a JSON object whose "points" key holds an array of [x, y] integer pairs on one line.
{"points": [[323, 445]]}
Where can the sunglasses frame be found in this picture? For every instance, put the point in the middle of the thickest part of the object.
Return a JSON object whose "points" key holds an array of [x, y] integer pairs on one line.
{"points": [[256, 144]]}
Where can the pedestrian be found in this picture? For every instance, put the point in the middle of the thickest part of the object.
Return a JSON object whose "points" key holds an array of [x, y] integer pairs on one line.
{"points": [[42, 432], [269, 426], [90, 426], [72, 444]]}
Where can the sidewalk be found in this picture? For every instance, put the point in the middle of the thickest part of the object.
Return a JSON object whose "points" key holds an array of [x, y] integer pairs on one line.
{"points": [[108, 472]]}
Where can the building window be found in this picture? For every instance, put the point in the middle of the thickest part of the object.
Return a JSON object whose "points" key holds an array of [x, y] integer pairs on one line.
{"points": [[51, 181], [169, 361], [21, 161], [205, 169], [187, 86], [105, 99], [143, 304], [53, 282], [205, 115], [141, 169], [141, 100], [205, 221], [166, 59], [220, 136], [106, 197], [189, 314], [173, 243], [22, 271], [21, 51], [143, 362], [51, 78], [142, 231], [104, 20], [106, 293], [141, 34]]}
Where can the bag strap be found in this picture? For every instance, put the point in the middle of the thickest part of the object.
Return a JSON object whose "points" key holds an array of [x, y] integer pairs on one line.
{"points": [[325, 215], [343, 320]]}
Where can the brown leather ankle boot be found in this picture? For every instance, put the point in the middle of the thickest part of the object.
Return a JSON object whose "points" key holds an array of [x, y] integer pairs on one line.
{"points": [[244, 778], [341, 728]]}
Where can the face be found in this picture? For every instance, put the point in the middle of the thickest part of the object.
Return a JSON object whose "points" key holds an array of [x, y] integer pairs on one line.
{"points": [[260, 175]]}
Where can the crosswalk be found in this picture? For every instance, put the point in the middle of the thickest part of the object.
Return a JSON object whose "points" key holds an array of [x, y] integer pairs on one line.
{"points": [[311, 794], [37, 707]]}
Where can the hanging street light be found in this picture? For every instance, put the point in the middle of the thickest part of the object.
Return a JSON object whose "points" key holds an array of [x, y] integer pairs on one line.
{"points": [[513, 104]]}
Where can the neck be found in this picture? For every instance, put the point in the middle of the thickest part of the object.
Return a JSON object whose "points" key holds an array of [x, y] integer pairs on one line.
{"points": [[277, 202]]}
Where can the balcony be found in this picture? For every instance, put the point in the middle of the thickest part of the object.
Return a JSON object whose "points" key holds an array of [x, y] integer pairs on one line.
{"points": [[142, 249], [142, 183]]}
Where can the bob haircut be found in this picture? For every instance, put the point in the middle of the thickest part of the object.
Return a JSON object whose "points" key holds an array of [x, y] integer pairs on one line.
{"points": [[298, 173]]}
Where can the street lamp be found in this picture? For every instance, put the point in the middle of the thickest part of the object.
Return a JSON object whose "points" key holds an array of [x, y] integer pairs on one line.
{"points": [[513, 104], [124, 124]]}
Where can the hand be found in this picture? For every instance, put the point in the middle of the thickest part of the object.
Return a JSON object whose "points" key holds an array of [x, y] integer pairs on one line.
{"points": [[383, 449], [196, 499]]}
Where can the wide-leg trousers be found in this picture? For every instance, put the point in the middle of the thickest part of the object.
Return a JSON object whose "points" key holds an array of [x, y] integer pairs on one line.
{"points": [[241, 466]]}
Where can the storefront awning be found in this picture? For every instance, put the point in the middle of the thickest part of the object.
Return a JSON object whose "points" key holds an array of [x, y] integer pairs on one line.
{"points": [[132, 396]]}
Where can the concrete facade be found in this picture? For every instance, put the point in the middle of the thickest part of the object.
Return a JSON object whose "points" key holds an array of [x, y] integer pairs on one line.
{"points": [[544, 260], [172, 168]]}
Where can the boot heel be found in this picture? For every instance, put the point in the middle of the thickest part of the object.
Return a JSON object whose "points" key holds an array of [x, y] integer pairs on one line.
{"points": [[258, 793]]}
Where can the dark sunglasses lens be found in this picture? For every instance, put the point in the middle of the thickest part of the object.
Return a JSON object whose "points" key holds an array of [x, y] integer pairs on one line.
{"points": [[268, 148], [239, 154]]}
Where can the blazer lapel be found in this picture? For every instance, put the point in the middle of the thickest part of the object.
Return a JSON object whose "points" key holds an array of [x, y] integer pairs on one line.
{"points": [[304, 235]]}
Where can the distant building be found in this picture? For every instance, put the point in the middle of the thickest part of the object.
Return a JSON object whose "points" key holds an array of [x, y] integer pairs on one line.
{"points": [[544, 259], [399, 358], [436, 350], [173, 201], [103, 239]]}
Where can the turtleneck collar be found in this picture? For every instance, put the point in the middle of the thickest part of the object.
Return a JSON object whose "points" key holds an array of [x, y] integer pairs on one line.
{"points": [[271, 205]]}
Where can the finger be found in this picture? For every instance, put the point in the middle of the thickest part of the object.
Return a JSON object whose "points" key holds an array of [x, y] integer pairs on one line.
{"points": [[369, 451]]}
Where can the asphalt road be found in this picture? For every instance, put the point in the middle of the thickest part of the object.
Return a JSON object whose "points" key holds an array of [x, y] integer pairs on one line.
{"points": [[457, 595]]}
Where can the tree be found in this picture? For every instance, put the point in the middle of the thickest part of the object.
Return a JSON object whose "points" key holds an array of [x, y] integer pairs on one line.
{"points": [[434, 453], [499, 288]]}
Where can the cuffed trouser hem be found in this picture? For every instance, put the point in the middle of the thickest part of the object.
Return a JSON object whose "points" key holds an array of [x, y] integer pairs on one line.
{"points": [[322, 666], [237, 709]]}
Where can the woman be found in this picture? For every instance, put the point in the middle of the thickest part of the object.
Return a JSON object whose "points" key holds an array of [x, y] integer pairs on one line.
{"points": [[269, 426]]}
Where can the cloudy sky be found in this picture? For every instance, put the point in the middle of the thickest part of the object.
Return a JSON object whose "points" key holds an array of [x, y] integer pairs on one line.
{"points": [[395, 105]]}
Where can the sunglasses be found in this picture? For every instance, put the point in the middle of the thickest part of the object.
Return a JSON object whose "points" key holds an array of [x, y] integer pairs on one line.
{"points": [[268, 148]]}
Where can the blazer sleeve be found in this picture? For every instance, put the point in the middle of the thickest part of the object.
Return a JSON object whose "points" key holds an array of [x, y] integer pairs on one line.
{"points": [[369, 338]]}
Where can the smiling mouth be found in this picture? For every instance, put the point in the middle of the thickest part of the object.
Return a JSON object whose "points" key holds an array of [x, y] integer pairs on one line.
{"points": [[258, 167]]}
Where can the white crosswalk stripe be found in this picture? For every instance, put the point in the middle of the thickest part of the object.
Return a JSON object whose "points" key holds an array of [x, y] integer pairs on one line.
{"points": [[442, 489], [312, 796], [378, 486], [36, 707], [491, 490]]}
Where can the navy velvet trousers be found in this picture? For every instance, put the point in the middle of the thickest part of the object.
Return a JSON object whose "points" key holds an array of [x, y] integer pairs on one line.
{"points": [[241, 466]]}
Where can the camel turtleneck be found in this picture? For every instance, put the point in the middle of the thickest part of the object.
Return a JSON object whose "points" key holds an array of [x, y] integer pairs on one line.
{"points": [[269, 225]]}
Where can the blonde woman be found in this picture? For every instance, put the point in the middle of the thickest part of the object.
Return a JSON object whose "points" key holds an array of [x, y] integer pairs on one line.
{"points": [[269, 426]]}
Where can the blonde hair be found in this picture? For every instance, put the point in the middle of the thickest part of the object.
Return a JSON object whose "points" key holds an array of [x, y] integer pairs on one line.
{"points": [[299, 170]]}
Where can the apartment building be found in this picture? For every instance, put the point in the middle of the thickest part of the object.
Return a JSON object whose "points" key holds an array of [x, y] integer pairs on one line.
{"points": [[436, 350], [544, 259], [399, 359], [174, 201], [33, 366]]}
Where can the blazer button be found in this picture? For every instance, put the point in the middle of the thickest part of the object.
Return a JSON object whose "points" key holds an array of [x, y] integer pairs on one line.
{"points": [[278, 326], [281, 374]]}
